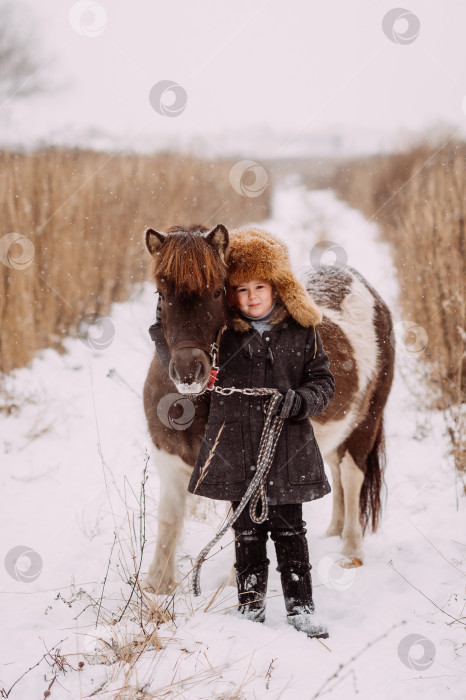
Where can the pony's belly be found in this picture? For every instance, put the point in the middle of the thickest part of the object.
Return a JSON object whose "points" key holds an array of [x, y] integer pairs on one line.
{"points": [[331, 434]]}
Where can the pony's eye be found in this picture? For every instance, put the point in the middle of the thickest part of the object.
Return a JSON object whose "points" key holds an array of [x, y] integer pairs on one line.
{"points": [[161, 297], [217, 293]]}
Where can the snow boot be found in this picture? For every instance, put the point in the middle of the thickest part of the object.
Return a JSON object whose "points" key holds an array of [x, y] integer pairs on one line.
{"points": [[297, 591], [295, 574], [252, 568]]}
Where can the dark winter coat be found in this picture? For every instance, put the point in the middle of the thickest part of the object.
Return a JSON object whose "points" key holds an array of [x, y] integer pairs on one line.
{"points": [[287, 356]]}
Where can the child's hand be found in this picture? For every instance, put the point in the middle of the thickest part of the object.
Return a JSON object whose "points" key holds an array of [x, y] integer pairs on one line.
{"points": [[289, 405]]}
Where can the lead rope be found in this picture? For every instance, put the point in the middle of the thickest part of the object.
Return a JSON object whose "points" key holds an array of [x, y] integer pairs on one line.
{"points": [[257, 488]]}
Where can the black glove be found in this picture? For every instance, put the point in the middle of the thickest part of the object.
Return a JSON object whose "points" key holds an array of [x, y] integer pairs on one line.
{"points": [[289, 405]]}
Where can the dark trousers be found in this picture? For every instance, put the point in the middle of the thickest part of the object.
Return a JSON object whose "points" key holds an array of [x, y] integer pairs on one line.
{"points": [[287, 530]]}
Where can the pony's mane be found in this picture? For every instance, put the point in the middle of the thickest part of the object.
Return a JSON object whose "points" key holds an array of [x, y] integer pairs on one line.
{"points": [[186, 264]]}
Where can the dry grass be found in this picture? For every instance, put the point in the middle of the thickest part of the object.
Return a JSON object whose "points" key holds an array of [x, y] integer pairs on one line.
{"points": [[134, 629], [419, 200], [83, 214]]}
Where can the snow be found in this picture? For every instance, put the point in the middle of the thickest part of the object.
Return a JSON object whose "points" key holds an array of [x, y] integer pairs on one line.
{"points": [[193, 388], [250, 582], [73, 458]]}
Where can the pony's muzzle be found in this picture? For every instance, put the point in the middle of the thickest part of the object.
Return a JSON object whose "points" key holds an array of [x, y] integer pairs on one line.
{"points": [[190, 370]]}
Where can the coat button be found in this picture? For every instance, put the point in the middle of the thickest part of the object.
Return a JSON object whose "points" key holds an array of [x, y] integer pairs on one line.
{"points": [[267, 338]]}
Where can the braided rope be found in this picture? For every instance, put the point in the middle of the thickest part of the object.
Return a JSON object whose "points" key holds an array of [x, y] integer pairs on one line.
{"points": [[257, 488]]}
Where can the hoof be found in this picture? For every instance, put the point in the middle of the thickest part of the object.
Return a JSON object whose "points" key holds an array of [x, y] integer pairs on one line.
{"points": [[159, 587], [350, 562]]}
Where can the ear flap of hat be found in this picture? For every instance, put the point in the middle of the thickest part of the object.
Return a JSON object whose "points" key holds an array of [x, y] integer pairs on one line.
{"points": [[297, 300]]}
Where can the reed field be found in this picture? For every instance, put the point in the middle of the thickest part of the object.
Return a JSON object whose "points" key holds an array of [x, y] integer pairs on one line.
{"points": [[71, 237], [419, 200]]}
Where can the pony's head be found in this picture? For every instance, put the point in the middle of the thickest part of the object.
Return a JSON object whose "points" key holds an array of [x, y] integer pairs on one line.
{"points": [[189, 270]]}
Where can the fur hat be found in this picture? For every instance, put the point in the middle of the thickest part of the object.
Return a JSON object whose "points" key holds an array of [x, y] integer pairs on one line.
{"points": [[255, 254]]}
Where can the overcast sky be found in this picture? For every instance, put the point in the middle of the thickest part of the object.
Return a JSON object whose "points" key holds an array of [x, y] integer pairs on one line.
{"points": [[292, 66]]}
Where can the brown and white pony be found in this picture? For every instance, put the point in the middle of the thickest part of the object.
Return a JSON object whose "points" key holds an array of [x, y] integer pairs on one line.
{"points": [[189, 267]]}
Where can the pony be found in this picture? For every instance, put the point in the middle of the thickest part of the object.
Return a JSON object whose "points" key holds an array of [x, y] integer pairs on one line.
{"points": [[190, 269]]}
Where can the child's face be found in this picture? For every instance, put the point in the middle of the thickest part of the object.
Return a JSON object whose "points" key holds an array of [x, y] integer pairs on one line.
{"points": [[254, 298]]}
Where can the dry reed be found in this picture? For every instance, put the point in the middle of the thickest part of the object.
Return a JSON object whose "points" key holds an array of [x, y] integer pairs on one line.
{"points": [[419, 200]]}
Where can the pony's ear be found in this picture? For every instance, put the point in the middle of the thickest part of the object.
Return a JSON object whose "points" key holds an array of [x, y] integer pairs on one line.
{"points": [[154, 240], [218, 238]]}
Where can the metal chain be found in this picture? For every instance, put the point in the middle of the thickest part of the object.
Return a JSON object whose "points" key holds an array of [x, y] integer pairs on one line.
{"points": [[257, 488], [227, 390]]}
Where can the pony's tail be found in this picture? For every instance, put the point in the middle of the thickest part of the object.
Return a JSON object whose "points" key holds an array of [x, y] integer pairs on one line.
{"points": [[370, 505]]}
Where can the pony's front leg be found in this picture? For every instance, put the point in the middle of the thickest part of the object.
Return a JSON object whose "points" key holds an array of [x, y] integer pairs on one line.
{"points": [[338, 512], [174, 475]]}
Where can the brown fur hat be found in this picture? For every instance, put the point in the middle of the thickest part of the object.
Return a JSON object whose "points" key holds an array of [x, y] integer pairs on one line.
{"points": [[255, 254]]}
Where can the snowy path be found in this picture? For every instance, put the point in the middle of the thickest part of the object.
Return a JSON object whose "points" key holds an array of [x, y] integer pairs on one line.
{"points": [[72, 459]]}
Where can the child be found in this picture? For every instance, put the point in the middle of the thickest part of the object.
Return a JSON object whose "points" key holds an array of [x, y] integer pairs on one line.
{"points": [[271, 342]]}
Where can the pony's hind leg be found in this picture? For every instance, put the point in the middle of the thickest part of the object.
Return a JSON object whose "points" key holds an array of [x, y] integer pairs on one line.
{"points": [[174, 477], [352, 479]]}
